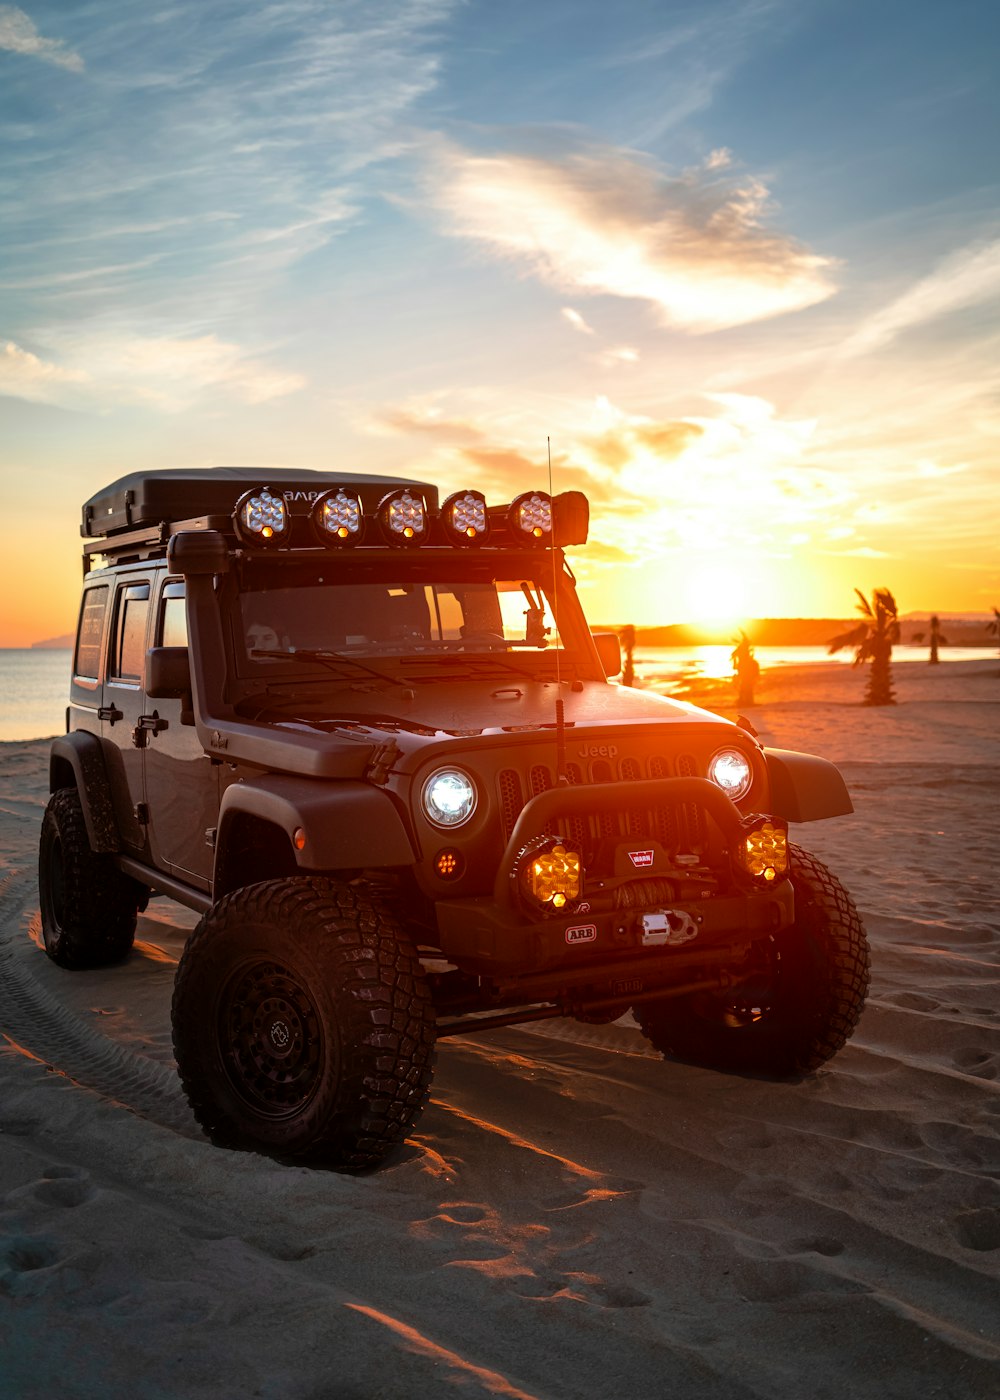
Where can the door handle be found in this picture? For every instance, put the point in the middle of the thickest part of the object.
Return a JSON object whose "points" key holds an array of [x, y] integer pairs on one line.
{"points": [[148, 724], [109, 713]]}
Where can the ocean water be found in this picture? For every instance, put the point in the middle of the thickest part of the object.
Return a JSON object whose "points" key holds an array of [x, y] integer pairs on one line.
{"points": [[34, 689], [34, 685]]}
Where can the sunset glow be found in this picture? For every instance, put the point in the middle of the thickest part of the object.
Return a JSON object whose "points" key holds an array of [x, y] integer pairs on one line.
{"points": [[740, 270]]}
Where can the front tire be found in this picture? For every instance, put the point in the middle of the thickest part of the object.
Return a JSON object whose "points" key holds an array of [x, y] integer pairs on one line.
{"points": [[302, 1024], [88, 906], [803, 1004]]}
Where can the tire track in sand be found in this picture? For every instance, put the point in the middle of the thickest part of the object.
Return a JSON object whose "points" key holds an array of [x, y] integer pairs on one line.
{"points": [[34, 1023]]}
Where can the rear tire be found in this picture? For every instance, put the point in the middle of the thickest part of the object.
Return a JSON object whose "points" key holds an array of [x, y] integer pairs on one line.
{"points": [[302, 1024], [802, 1006], [88, 906]]}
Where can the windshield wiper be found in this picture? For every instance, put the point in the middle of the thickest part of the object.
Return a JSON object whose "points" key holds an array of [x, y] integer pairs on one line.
{"points": [[326, 658]]}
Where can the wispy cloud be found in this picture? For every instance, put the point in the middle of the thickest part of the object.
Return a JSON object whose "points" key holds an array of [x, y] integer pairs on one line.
{"points": [[695, 246], [19, 35], [206, 156], [966, 278], [24, 375], [166, 373], [576, 320]]}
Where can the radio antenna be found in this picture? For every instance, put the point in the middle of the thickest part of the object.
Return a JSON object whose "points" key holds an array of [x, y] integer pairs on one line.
{"points": [[562, 777]]}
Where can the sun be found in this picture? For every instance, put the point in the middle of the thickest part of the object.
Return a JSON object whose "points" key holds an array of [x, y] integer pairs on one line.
{"points": [[716, 593]]}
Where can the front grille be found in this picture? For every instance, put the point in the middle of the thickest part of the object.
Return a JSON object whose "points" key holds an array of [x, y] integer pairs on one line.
{"points": [[681, 828]]}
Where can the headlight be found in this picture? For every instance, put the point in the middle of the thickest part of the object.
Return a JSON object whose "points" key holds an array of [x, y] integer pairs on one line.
{"points": [[449, 797], [731, 771]]}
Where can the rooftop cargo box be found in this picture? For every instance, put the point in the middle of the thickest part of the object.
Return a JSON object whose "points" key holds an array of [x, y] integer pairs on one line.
{"points": [[183, 493]]}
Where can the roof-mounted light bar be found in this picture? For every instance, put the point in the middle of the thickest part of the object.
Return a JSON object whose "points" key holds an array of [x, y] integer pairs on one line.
{"points": [[337, 518], [530, 517], [402, 516], [465, 518], [261, 518]]}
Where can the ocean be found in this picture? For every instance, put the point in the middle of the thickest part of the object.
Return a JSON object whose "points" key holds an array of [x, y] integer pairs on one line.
{"points": [[34, 684]]}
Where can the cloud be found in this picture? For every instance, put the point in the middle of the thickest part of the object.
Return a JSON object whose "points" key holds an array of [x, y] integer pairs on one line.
{"points": [[25, 376], [19, 35], [168, 373], [577, 321], [618, 355], [965, 279], [427, 420], [695, 246]]}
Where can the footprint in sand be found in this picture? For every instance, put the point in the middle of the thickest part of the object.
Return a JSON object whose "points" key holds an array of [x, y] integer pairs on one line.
{"points": [[61, 1186], [28, 1265], [978, 1229]]}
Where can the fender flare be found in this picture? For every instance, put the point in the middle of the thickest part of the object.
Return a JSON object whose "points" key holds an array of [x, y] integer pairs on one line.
{"points": [[346, 825], [805, 788], [83, 753]]}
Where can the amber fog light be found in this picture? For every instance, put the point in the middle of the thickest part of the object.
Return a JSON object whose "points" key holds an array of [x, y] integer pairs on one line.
{"points": [[762, 852], [549, 874], [448, 864]]}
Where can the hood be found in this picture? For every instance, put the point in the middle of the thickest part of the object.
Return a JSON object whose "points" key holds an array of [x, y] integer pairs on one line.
{"points": [[470, 708]]}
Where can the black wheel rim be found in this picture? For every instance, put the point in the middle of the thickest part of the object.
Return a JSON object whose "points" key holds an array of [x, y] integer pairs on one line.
{"points": [[271, 1039], [56, 883]]}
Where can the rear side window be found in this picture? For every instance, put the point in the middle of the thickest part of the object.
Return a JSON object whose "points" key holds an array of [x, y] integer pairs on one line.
{"points": [[129, 651], [173, 617], [87, 662]]}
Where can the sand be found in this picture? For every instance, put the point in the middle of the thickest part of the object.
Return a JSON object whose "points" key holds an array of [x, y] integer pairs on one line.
{"points": [[572, 1217]]}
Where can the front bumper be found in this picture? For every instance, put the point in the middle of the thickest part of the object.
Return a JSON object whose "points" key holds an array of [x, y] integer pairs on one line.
{"points": [[498, 935], [482, 936]]}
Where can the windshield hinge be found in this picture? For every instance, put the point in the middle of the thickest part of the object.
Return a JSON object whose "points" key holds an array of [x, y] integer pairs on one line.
{"points": [[381, 763]]}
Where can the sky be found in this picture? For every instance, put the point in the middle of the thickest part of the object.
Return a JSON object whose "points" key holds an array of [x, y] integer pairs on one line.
{"points": [[737, 261]]}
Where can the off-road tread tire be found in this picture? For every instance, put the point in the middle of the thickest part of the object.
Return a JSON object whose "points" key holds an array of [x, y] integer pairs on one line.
{"points": [[99, 904], [824, 980], [375, 1012]]}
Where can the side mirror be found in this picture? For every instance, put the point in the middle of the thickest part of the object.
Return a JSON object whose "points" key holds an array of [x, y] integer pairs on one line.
{"points": [[168, 673], [609, 649]]}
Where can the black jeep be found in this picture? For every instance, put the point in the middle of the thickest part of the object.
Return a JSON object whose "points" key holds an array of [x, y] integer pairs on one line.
{"points": [[371, 739]]}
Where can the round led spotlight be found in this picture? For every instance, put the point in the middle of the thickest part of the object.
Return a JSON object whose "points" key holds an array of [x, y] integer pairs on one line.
{"points": [[465, 518], [261, 518], [530, 517], [338, 518], [731, 770], [449, 798], [403, 517]]}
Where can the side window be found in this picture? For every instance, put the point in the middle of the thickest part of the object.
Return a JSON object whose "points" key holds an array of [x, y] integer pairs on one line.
{"points": [[129, 651], [172, 631], [87, 661]]}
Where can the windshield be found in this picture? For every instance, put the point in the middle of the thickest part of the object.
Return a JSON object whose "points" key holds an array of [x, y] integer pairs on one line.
{"points": [[386, 617]]}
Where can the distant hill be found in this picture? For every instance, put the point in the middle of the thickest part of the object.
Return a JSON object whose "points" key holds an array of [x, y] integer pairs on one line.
{"points": [[54, 643], [804, 632]]}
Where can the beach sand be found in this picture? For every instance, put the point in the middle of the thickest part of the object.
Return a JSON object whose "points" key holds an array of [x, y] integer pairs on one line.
{"points": [[572, 1216]]}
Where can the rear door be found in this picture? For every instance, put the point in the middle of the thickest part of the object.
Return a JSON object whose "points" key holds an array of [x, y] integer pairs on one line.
{"points": [[122, 705], [181, 781]]}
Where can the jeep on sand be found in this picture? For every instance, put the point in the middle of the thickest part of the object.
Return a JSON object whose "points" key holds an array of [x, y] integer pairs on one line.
{"points": [[370, 738]]}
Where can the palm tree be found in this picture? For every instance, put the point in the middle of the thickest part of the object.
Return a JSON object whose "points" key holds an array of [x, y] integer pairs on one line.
{"points": [[937, 638], [994, 626], [874, 637]]}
